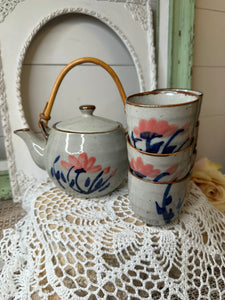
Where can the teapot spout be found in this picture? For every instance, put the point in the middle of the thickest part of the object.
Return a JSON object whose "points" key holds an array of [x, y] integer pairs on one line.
{"points": [[36, 145]]}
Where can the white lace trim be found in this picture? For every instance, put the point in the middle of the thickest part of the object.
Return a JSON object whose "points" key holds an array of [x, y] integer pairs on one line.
{"points": [[70, 248], [7, 7]]}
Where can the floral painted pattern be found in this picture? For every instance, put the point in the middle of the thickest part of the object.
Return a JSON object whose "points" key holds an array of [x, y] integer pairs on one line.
{"points": [[82, 163], [147, 170], [168, 213], [143, 170], [77, 174], [151, 130]]}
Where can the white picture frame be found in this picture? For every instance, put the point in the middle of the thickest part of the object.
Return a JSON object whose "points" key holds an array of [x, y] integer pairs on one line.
{"points": [[20, 21]]}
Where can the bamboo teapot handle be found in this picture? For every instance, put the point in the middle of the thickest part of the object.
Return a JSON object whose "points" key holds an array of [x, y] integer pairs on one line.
{"points": [[45, 115]]}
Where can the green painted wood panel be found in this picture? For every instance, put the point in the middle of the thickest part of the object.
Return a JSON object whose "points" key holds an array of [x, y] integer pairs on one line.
{"points": [[181, 38], [5, 189]]}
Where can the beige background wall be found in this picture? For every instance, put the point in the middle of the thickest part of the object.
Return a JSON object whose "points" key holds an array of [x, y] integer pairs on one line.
{"points": [[209, 77]]}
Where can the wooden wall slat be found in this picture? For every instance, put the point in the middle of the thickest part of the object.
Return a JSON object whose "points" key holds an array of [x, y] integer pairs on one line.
{"points": [[210, 80], [208, 76], [211, 4], [209, 41]]}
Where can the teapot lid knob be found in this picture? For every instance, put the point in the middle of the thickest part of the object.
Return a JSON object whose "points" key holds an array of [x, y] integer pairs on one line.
{"points": [[87, 109]]}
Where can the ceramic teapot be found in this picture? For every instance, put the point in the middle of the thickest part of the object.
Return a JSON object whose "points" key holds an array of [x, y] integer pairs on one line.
{"points": [[85, 156]]}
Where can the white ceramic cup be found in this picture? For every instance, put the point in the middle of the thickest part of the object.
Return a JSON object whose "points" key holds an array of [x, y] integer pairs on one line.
{"points": [[160, 167], [162, 121], [156, 203]]}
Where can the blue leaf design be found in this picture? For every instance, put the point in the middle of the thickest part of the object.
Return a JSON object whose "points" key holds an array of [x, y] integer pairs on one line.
{"points": [[182, 146], [98, 184], [168, 200], [138, 174], [57, 175], [105, 187], [169, 216], [78, 171], [52, 171], [87, 182], [57, 159], [72, 182], [168, 149], [160, 210], [63, 177], [153, 148], [160, 176], [146, 135], [135, 140]]}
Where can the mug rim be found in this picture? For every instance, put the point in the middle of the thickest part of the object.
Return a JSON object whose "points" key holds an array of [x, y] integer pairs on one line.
{"points": [[160, 154], [194, 92], [160, 91], [159, 182]]}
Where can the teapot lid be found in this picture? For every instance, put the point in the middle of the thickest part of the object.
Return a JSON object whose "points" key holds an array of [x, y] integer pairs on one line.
{"points": [[87, 122]]}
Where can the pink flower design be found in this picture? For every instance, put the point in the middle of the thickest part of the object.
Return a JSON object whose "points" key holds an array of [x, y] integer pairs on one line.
{"points": [[81, 162], [143, 169], [113, 173], [186, 127], [106, 170], [172, 169], [154, 126]]}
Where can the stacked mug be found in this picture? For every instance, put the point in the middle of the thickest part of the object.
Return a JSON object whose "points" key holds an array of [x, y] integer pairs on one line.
{"points": [[161, 143]]}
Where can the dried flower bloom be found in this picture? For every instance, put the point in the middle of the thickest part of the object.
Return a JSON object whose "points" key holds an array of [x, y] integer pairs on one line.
{"points": [[207, 175]]}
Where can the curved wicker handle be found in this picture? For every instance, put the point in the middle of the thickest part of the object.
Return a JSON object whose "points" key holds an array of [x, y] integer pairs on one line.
{"points": [[45, 115]]}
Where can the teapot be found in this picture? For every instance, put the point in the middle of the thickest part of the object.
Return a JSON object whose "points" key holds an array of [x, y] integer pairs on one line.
{"points": [[85, 156]]}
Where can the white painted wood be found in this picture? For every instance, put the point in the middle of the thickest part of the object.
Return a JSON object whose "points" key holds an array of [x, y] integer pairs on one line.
{"points": [[2, 144], [211, 139], [210, 80], [212, 5], [72, 36], [209, 44], [125, 40], [1, 130], [82, 85], [3, 165], [163, 43]]}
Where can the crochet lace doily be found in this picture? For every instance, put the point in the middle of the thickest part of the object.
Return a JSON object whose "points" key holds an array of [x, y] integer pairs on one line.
{"points": [[66, 248]]}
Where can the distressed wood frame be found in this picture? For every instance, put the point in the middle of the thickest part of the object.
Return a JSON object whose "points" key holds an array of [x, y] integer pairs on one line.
{"points": [[181, 38]]}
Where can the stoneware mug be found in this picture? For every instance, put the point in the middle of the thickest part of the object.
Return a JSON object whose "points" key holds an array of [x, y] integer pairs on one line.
{"points": [[197, 93], [161, 167], [156, 203], [162, 121]]}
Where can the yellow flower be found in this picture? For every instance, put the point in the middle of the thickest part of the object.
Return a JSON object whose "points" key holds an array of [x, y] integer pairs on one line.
{"points": [[207, 175]]}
